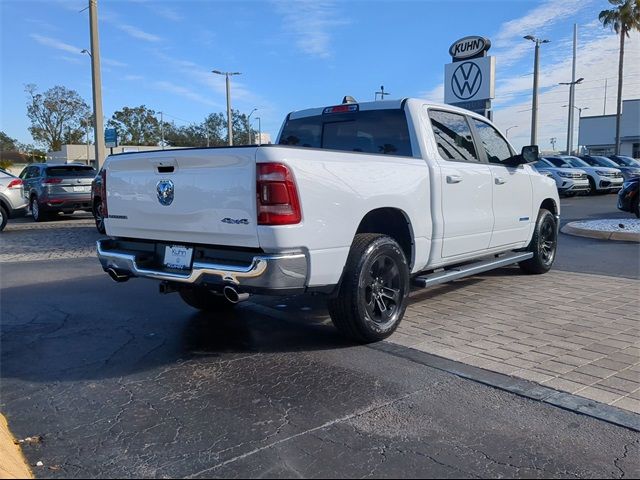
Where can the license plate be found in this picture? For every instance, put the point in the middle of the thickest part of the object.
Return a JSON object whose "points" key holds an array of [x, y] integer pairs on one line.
{"points": [[177, 256], [81, 189]]}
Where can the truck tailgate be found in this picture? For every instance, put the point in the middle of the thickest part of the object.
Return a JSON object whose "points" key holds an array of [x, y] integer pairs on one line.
{"points": [[209, 196]]}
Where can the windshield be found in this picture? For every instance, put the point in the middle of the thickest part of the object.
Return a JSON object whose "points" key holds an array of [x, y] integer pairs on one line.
{"points": [[558, 162], [372, 131], [603, 162], [626, 161], [575, 162], [542, 163], [71, 171]]}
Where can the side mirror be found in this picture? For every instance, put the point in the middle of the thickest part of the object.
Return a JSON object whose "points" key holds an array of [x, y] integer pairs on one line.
{"points": [[530, 154]]}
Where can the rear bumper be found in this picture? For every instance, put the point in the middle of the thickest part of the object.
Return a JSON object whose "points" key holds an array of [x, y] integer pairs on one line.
{"points": [[264, 273], [66, 202]]}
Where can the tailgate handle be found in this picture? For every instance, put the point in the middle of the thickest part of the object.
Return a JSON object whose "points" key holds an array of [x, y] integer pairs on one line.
{"points": [[167, 169]]}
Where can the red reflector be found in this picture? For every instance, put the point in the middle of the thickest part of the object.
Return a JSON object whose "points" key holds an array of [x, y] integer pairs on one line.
{"points": [[15, 183], [52, 180], [55, 202], [276, 195]]}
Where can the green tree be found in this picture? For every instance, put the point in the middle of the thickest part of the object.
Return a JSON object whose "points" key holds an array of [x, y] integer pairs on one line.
{"points": [[623, 18], [211, 132], [7, 144], [56, 115], [136, 126]]}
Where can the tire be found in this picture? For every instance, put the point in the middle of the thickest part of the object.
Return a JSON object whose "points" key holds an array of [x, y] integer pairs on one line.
{"points": [[636, 210], [37, 214], [98, 217], [376, 276], [592, 187], [203, 299], [569, 194], [4, 217], [543, 244]]}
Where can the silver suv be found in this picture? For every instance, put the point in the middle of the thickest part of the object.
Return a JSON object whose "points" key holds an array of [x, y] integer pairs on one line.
{"points": [[568, 180], [52, 188], [12, 201]]}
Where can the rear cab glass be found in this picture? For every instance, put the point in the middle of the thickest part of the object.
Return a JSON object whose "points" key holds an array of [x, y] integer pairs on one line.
{"points": [[70, 171], [383, 132]]}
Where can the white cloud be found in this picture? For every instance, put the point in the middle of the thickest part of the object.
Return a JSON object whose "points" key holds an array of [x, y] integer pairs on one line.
{"points": [[55, 43], [311, 23], [186, 93], [138, 33], [168, 13], [112, 63]]}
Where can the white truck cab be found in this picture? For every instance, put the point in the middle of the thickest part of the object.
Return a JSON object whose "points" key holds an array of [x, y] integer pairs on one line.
{"points": [[357, 201]]}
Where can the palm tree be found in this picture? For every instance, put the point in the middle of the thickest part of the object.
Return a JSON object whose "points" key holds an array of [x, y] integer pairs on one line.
{"points": [[624, 17]]}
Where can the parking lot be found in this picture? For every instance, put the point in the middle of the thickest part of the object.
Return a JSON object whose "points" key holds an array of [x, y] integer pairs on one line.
{"points": [[121, 381]]}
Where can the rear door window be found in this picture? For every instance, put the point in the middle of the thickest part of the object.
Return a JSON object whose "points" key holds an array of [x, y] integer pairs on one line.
{"points": [[372, 131], [453, 136], [71, 171]]}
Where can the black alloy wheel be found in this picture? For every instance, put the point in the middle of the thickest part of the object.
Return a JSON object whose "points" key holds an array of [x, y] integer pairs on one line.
{"points": [[543, 244]]}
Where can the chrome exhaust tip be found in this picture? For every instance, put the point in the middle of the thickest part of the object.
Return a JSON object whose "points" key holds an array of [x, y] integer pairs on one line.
{"points": [[117, 276], [232, 295]]}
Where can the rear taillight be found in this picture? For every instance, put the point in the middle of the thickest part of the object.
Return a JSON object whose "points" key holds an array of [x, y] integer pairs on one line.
{"points": [[103, 192], [51, 181], [17, 183], [277, 195]]}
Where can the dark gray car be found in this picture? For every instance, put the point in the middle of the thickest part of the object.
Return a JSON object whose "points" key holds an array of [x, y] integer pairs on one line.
{"points": [[54, 188]]}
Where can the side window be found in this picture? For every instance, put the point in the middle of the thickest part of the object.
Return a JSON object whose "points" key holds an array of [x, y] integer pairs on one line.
{"points": [[496, 147], [453, 136], [24, 173]]}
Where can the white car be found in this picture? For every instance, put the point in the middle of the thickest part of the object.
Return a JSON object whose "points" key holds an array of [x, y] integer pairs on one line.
{"points": [[569, 181], [601, 179], [355, 201]]}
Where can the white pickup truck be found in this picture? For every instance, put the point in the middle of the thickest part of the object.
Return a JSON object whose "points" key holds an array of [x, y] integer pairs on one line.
{"points": [[358, 201]]}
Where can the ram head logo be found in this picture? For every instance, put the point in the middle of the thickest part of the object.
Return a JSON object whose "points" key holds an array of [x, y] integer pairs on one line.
{"points": [[165, 192]]}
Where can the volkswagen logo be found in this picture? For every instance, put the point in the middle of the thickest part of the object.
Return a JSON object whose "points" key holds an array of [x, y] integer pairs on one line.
{"points": [[165, 192], [466, 80]]}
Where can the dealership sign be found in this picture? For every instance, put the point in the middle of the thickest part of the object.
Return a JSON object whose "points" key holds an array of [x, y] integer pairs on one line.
{"points": [[469, 47], [470, 77]]}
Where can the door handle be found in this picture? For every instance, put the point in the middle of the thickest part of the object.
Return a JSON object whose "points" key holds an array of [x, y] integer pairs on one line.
{"points": [[454, 178], [500, 181]]}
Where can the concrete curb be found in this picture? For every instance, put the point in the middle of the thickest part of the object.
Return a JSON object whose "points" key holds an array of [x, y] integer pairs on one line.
{"points": [[572, 229]]}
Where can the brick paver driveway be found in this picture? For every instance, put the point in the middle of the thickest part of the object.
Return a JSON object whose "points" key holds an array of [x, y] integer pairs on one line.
{"points": [[578, 333]]}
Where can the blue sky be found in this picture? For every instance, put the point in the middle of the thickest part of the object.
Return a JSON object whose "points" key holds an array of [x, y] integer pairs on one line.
{"points": [[297, 54]]}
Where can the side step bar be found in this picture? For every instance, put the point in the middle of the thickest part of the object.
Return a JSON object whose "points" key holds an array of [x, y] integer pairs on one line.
{"points": [[469, 269]]}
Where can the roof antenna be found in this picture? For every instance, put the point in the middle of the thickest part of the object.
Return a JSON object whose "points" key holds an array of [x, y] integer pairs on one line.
{"points": [[348, 99]]}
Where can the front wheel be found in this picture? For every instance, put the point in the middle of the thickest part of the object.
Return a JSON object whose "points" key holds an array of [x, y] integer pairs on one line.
{"points": [[543, 244], [373, 294], [203, 299]]}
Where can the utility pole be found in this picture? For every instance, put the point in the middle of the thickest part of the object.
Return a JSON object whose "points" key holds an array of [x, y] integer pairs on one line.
{"points": [[553, 141], [572, 92], [604, 107], [534, 99], [87, 132], [98, 127], [229, 121], [162, 129], [249, 125], [382, 93]]}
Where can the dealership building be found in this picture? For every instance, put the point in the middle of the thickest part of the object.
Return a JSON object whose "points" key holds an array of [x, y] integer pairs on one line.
{"points": [[598, 134]]}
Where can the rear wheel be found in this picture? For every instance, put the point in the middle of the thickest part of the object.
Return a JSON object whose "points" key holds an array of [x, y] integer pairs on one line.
{"points": [[204, 299], [4, 216], [637, 205], [592, 187], [543, 244], [37, 214], [373, 294], [98, 216]]}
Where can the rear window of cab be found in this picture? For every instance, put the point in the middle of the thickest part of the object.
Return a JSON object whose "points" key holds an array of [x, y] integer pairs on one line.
{"points": [[71, 171], [384, 132]]}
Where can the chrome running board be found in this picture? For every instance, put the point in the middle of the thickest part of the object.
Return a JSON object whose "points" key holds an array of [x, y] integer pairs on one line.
{"points": [[454, 273]]}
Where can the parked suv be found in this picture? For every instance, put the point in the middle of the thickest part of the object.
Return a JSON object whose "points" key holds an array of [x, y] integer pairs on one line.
{"points": [[599, 161], [630, 167], [601, 179], [12, 202], [568, 180], [51, 189]]}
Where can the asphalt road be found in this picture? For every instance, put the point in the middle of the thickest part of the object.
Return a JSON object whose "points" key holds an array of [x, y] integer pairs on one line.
{"points": [[588, 255], [123, 382]]}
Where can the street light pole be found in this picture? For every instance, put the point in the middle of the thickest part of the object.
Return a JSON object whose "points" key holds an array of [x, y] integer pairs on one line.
{"points": [[534, 100], [162, 129], [98, 126], [571, 106], [249, 125], [259, 130], [507, 130], [580, 109], [228, 83]]}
